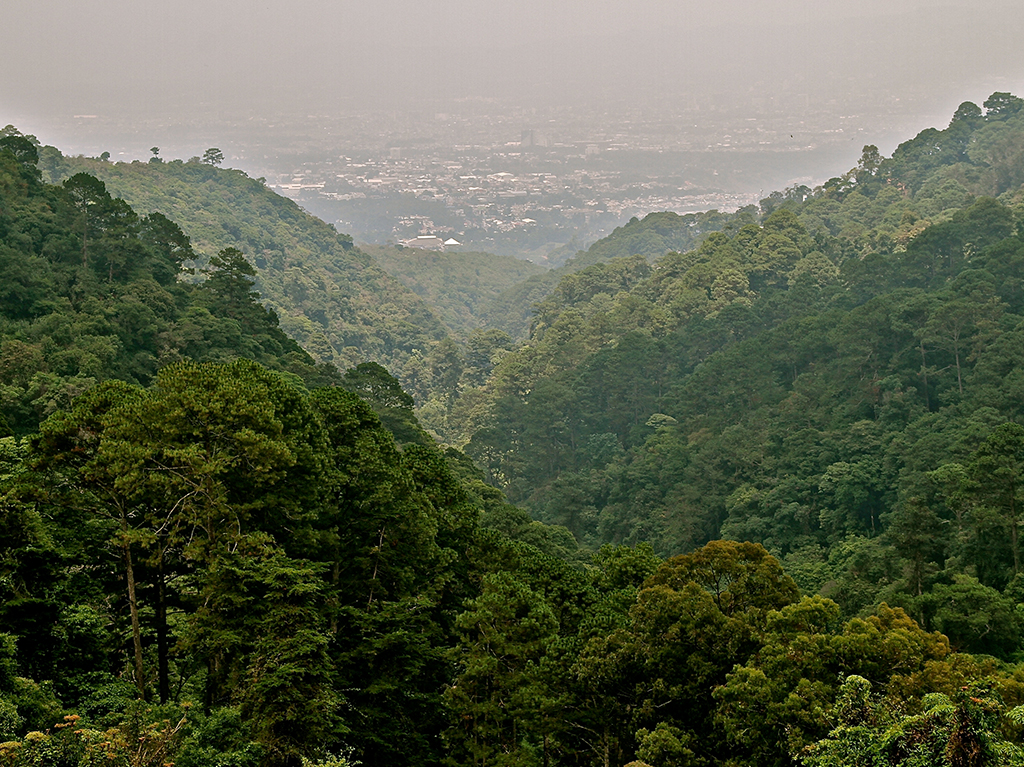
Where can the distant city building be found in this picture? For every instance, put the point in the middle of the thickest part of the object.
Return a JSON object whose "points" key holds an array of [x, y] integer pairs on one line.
{"points": [[426, 242]]}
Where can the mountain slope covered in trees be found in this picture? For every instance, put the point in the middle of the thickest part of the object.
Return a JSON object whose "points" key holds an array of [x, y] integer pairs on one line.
{"points": [[89, 290], [233, 562], [458, 285], [201, 524], [829, 381], [330, 296], [657, 234]]}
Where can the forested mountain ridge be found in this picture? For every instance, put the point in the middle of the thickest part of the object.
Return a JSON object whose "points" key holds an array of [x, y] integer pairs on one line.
{"points": [[333, 298], [459, 285], [977, 155], [240, 566], [657, 234], [330, 296], [507, 318], [162, 486], [653, 237], [816, 382], [89, 290]]}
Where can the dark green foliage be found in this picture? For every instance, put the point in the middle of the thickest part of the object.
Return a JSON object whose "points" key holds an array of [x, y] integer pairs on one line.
{"points": [[389, 401], [791, 381], [838, 382], [273, 550], [459, 286], [329, 296], [214, 561], [965, 729], [90, 291]]}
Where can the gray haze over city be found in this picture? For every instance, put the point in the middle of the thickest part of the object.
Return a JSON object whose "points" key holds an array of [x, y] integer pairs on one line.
{"points": [[513, 127]]}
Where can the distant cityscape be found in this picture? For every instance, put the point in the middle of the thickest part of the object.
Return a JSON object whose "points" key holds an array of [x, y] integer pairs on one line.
{"points": [[431, 200], [524, 182]]}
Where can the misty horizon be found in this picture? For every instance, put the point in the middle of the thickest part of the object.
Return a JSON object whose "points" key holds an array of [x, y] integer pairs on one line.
{"points": [[288, 89], [157, 59]]}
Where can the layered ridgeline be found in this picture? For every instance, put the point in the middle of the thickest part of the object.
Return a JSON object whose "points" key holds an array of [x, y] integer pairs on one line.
{"points": [[838, 381], [467, 292], [345, 305], [232, 565], [657, 234], [330, 296], [211, 550], [90, 290]]}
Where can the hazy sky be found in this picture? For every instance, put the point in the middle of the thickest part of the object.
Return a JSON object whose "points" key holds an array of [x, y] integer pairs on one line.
{"points": [[148, 57]]}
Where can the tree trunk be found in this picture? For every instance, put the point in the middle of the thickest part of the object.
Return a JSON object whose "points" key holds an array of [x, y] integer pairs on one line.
{"points": [[140, 678], [376, 564], [335, 579], [163, 665]]}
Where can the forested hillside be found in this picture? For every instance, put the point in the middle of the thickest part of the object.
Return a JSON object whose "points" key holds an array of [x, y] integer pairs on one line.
{"points": [[656, 235], [793, 453], [211, 549], [837, 382], [659, 233], [458, 285], [89, 290], [330, 297]]}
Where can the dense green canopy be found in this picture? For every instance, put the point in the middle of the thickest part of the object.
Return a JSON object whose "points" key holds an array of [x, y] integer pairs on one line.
{"points": [[792, 453], [330, 296]]}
